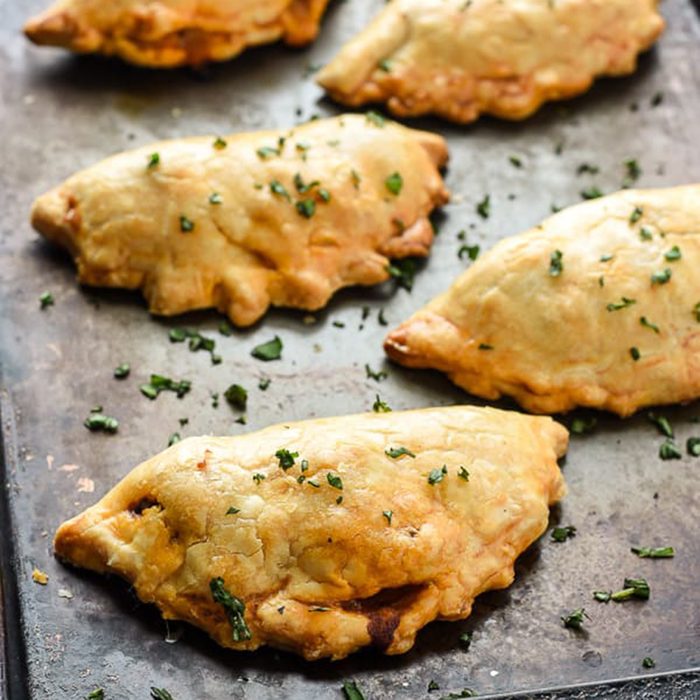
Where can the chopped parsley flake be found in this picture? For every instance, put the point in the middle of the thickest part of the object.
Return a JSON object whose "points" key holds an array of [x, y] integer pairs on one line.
{"points": [[267, 152], [607, 257], [351, 691], [471, 251], [653, 552], [394, 183], [236, 396], [669, 450], [632, 174], [356, 179], [335, 481], [380, 406], [388, 514], [587, 168], [377, 376], [286, 458], [581, 426], [271, 350], [404, 272], [375, 119], [561, 534], [485, 346], [635, 354], [515, 161], [396, 452], [437, 475], [463, 473], [645, 233], [219, 143], [160, 383], [233, 510], [97, 694], [174, 437], [186, 225], [276, 187], [556, 264], [264, 383], [662, 423], [483, 208], [661, 276], [215, 198], [234, 607], [153, 160], [591, 193], [160, 694], [465, 640], [632, 588], [648, 324], [574, 619], [648, 662], [97, 421], [622, 304], [122, 371], [636, 215], [45, 300], [197, 341], [258, 477], [306, 208], [693, 446], [673, 254]]}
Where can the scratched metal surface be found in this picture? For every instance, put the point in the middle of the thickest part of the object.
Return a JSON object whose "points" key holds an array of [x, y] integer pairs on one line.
{"points": [[59, 114]]}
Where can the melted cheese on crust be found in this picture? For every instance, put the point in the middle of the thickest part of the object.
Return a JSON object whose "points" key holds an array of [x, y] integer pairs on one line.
{"points": [[458, 59], [555, 345], [121, 220], [318, 576]]}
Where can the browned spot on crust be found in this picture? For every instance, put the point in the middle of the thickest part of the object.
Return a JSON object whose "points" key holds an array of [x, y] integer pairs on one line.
{"points": [[203, 464], [381, 626]]}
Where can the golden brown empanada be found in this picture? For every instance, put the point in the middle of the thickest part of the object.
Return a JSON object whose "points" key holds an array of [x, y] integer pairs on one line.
{"points": [[598, 306], [169, 33], [278, 217], [461, 58], [328, 535]]}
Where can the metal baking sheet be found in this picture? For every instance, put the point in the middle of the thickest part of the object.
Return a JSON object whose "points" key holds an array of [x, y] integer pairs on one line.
{"points": [[60, 113]]}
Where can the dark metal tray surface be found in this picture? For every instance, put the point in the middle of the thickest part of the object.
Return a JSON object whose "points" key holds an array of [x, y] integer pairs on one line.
{"points": [[60, 113]]}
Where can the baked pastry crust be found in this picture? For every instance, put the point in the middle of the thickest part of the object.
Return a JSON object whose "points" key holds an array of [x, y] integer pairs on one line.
{"points": [[509, 326], [170, 33], [461, 58], [323, 571], [254, 244]]}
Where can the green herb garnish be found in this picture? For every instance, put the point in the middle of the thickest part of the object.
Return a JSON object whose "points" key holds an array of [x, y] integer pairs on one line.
{"points": [[693, 446], [264, 383], [266, 152], [377, 376], [648, 324], [465, 640], [160, 383], [648, 662], [97, 694], [404, 272], [219, 143], [375, 119], [633, 171], [351, 691], [632, 588], [623, 304], [602, 596], [645, 233], [233, 510], [335, 481], [215, 198], [581, 426], [515, 161], [471, 251], [186, 225], [99, 422], [271, 350], [258, 477], [437, 475], [45, 300], [153, 160], [653, 552], [662, 423], [160, 694], [394, 183], [591, 193], [286, 458], [276, 187], [556, 264], [234, 607], [122, 371], [635, 354], [463, 473], [636, 215], [574, 619], [388, 514], [380, 406], [174, 437], [561, 534], [673, 254], [306, 208], [395, 452], [669, 450], [483, 208], [661, 276], [236, 396]]}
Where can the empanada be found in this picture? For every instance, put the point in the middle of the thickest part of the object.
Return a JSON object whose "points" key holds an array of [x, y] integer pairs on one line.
{"points": [[278, 217], [462, 58], [324, 536], [598, 306], [169, 33]]}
